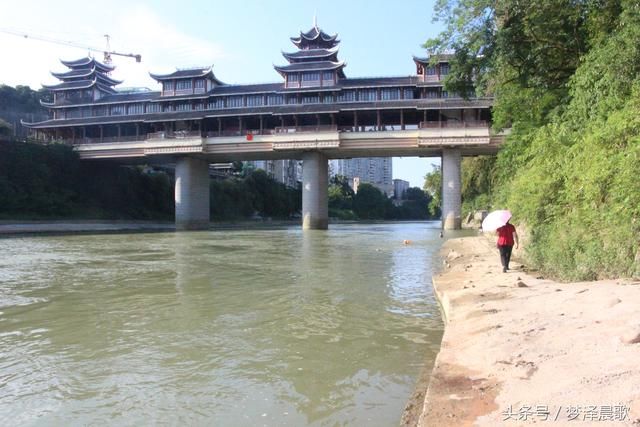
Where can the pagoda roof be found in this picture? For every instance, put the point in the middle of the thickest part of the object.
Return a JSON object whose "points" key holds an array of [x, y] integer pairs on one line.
{"points": [[315, 35], [78, 84], [311, 54], [445, 57], [105, 88], [81, 84], [311, 66], [78, 73], [188, 73], [108, 79], [87, 62], [83, 72]]}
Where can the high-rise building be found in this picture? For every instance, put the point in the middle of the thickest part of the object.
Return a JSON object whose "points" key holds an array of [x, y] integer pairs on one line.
{"points": [[377, 171], [399, 187], [287, 172]]}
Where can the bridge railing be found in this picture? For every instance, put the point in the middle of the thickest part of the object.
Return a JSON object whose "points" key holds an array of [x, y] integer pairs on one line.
{"points": [[295, 129], [454, 124], [108, 139], [179, 134], [237, 132]]}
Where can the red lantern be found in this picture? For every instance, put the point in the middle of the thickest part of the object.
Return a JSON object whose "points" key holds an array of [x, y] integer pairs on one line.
{"points": [[249, 137]]}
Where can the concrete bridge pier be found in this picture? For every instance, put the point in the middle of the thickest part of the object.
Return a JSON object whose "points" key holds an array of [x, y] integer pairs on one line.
{"points": [[192, 194], [451, 189], [315, 182]]}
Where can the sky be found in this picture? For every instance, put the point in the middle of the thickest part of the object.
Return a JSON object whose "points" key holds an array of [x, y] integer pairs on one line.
{"points": [[242, 39]]}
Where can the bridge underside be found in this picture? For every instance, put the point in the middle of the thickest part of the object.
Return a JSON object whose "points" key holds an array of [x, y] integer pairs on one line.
{"points": [[192, 151]]}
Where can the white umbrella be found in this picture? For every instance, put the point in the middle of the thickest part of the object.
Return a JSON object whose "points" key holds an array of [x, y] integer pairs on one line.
{"points": [[495, 220]]}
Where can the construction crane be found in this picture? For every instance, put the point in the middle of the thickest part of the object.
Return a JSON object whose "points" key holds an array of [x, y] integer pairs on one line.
{"points": [[106, 51]]}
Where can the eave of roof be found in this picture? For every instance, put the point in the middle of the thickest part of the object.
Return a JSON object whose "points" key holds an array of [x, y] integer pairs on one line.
{"points": [[445, 57], [79, 84], [82, 72], [309, 66], [311, 53], [315, 35], [186, 74], [82, 62]]}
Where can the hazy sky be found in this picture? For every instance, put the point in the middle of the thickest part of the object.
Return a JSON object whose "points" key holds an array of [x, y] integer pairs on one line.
{"points": [[243, 39]]}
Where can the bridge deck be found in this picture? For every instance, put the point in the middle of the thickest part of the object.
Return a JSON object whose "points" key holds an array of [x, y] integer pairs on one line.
{"points": [[334, 143]]}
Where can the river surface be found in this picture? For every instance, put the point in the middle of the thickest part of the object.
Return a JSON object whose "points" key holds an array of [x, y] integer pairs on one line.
{"points": [[274, 327]]}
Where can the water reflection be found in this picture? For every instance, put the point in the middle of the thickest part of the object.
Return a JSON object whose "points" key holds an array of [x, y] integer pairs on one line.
{"points": [[275, 327]]}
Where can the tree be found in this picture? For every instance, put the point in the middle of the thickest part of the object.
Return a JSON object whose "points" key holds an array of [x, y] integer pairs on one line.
{"points": [[477, 181], [565, 78], [415, 205], [370, 203], [5, 128], [340, 193], [433, 187]]}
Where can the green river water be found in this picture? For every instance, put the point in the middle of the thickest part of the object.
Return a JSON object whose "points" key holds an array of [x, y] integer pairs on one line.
{"points": [[274, 327]]}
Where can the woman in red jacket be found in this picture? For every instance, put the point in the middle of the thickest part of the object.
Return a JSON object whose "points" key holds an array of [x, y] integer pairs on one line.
{"points": [[507, 236]]}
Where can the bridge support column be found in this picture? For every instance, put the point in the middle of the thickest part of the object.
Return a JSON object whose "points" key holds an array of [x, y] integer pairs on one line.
{"points": [[315, 183], [451, 189], [192, 194]]}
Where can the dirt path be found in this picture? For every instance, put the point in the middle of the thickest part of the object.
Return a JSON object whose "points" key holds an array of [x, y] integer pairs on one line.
{"points": [[519, 349]]}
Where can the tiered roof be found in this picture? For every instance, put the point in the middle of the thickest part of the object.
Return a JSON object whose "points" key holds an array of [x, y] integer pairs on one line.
{"points": [[315, 38], [200, 72], [85, 73], [318, 51], [426, 61]]}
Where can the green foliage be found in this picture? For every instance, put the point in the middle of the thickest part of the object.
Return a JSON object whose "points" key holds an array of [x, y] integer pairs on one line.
{"points": [[21, 99], [566, 76], [343, 214], [49, 181], [416, 205], [477, 182], [340, 194], [433, 187], [271, 198], [230, 199], [470, 33], [371, 203], [240, 198], [5, 128]]}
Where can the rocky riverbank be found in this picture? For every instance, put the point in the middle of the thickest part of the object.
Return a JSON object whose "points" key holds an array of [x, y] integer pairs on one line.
{"points": [[520, 349]]}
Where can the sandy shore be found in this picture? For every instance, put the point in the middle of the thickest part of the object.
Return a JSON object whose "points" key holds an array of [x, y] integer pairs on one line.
{"points": [[519, 349]]}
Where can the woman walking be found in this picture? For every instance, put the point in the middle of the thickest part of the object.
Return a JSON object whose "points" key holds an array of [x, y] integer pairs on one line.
{"points": [[507, 236]]}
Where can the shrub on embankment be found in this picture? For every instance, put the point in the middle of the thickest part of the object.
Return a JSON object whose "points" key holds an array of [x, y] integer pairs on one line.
{"points": [[50, 182], [577, 185], [255, 193], [566, 77]]}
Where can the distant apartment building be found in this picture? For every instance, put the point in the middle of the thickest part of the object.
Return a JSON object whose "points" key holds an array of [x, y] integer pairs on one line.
{"points": [[399, 187], [377, 171], [287, 172]]}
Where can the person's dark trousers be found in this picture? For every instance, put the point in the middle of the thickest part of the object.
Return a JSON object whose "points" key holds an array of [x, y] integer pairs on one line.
{"points": [[505, 256]]}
